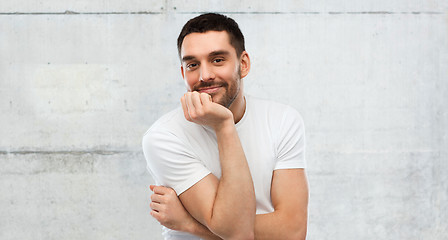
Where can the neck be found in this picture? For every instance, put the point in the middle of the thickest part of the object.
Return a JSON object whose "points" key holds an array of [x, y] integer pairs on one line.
{"points": [[238, 107]]}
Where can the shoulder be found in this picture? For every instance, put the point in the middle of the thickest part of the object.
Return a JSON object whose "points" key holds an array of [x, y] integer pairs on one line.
{"points": [[281, 120], [161, 131], [276, 111], [168, 137]]}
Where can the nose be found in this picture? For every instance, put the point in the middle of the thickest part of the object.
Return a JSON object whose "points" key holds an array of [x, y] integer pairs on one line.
{"points": [[206, 73]]}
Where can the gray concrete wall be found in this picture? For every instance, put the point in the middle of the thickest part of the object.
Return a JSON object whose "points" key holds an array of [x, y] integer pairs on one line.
{"points": [[81, 81]]}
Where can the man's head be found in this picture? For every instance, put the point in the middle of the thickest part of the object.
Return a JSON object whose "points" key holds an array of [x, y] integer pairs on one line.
{"points": [[213, 22], [210, 61]]}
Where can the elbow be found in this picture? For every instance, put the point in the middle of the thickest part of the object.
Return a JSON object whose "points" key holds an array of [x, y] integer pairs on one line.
{"points": [[233, 232], [241, 227]]}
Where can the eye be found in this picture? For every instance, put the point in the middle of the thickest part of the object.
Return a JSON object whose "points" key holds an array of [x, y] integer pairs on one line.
{"points": [[218, 60], [191, 66]]}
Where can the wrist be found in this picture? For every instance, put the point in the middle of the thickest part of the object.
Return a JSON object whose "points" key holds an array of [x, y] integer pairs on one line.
{"points": [[225, 126]]}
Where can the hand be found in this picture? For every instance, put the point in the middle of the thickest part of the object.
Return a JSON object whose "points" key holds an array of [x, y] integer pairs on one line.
{"points": [[199, 108], [168, 210]]}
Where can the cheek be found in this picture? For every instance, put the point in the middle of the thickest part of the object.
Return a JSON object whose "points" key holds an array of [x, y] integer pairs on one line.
{"points": [[227, 73], [190, 80]]}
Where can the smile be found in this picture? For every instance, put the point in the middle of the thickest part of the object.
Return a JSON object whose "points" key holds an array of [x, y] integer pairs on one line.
{"points": [[209, 89]]}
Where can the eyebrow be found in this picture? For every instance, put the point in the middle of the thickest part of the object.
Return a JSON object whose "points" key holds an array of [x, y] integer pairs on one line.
{"points": [[188, 58], [220, 52], [212, 54]]}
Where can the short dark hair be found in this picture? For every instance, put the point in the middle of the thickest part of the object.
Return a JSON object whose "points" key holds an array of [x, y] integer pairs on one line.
{"points": [[213, 22]]}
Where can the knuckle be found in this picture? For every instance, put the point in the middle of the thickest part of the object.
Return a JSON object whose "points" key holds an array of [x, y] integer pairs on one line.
{"points": [[205, 96], [168, 201], [193, 115], [171, 197], [200, 113]]}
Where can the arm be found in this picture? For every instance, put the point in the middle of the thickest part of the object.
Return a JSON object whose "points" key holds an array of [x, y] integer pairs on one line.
{"points": [[289, 193], [225, 206], [169, 211]]}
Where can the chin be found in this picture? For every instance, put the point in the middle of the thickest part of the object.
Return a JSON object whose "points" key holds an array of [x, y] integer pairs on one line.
{"points": [[219, 100]]}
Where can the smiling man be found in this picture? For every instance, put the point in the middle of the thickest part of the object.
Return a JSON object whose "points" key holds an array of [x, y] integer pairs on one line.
{"points": [[227, 166]]}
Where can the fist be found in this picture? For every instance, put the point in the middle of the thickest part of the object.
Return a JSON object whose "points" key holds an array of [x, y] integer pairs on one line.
{"points": [[168, 210], [199, 108]]}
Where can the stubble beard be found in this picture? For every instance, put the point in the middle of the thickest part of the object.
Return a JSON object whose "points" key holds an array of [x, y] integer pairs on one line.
{"points": [[231, 90]]}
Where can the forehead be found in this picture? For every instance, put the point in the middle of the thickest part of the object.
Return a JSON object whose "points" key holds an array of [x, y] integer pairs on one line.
{"points": [[198, 44]]}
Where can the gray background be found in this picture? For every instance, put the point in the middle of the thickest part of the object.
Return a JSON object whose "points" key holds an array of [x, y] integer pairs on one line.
{"points": [[81, 81]]}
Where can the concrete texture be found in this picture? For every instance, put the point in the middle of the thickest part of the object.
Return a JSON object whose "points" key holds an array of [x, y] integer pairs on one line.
{"points": [[80, 83]]}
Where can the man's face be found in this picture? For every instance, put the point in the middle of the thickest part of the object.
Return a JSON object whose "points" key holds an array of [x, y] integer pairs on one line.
{"points": [[210, 65]]}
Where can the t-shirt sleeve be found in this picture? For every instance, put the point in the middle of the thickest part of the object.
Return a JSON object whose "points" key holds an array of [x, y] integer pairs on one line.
{"points": [[170, 162], [291, 141]]}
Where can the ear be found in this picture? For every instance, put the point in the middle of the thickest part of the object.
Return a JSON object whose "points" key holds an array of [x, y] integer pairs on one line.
{"points": [[244, 64], [182, 71]]}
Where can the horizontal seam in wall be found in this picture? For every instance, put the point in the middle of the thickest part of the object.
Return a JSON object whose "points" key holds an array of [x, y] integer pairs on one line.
{"points": [[81, 13], [97, 152], [255, 13]]}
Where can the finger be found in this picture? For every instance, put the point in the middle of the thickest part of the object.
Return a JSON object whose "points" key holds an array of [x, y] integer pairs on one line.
{"points": [[155, 206], [157, 198], [161, 190], [189, 102], [152, 187], [205, 98], [156, 215], [196, 100], [185, 108], [190, 105]]}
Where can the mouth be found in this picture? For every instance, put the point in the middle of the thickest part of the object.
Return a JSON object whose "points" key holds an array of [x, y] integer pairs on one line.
{"points": [[209, 90]]}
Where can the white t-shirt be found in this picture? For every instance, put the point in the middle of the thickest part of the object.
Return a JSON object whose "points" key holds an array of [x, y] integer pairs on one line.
{"points": [[180, 153]]}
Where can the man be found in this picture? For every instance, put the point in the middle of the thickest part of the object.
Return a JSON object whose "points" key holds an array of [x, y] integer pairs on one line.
{"points": [[228, 166]]}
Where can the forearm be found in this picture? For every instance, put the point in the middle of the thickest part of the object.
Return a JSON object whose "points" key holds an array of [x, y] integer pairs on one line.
{"points": [[267, 226], [202, 231], [279, 225], [234, 207]]}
